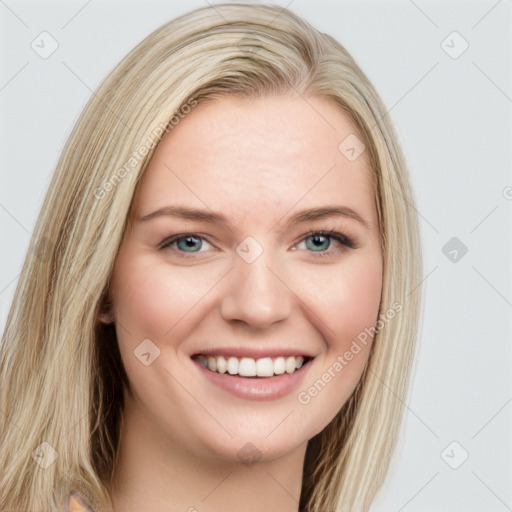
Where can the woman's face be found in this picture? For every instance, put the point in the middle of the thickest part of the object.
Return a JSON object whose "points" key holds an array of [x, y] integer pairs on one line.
{"points": [[228, 258]]}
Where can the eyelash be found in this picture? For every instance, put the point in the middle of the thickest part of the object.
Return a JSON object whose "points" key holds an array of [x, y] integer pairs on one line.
{"points": [[339, 237]]}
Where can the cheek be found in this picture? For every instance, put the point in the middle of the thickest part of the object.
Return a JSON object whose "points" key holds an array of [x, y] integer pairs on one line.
{"points": [[353, 314], [344, 298], [142, 302], [153, 299], [151, 302], [356, 306], [345, 311]]}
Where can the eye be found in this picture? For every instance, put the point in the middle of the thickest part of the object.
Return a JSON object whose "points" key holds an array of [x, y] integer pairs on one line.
{"points": [[185, 243], [321, 241]]}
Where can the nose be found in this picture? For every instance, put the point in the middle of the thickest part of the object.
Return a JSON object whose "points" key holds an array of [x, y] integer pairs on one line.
{"points": [[255, 294]]}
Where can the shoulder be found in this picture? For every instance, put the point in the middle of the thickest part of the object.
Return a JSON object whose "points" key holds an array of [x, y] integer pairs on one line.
{"points": [[75, 503]]}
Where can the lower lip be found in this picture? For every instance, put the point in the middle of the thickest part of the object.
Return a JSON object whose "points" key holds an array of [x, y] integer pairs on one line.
{"points": [[256, 388]]}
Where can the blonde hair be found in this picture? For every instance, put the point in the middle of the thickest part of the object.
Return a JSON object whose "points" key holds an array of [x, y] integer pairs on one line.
{"points": [[60, 369]]}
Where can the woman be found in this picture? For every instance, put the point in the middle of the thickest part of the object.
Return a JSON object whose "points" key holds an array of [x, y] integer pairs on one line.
{"points": [[218, 310]]}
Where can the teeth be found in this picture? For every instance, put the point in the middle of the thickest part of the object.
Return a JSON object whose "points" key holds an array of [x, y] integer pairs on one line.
{"points": [[264, 367], [290, 364], [279, 366], [249, 367], [222, 365], [232, 365]]}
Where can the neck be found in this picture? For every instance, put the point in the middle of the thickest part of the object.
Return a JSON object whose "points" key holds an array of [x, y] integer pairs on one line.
{"points": [[154, 473]]}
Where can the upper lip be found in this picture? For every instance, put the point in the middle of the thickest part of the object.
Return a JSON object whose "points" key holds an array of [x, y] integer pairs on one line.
{"points": [[254, 353]]}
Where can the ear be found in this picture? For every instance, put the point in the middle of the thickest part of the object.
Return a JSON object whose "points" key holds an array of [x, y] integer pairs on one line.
{"points": [[106, 318], [106, 314], [74, 502]]}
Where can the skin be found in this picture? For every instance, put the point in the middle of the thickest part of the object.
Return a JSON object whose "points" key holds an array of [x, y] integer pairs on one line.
{"points": [[258, 162]]}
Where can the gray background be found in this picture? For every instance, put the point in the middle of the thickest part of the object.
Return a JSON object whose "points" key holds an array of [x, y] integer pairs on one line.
{"points": [[453, 115]]}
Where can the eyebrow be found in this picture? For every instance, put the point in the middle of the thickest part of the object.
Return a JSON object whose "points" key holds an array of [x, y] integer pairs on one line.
{"points": [[310, 214]]}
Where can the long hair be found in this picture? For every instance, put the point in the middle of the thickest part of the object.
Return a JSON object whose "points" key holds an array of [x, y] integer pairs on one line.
{"points": [[60, 369]]}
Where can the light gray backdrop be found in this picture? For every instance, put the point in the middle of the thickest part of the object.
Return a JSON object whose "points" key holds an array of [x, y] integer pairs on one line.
{"points": [[443, 70]]}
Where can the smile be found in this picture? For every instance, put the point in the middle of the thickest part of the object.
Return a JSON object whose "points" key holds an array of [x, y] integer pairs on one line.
{"points": [[250, 367]]}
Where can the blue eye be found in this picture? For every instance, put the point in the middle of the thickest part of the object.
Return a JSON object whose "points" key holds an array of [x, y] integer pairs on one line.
{"points": [[189, 244], [185, 243], [320, 241], [316, 241]]}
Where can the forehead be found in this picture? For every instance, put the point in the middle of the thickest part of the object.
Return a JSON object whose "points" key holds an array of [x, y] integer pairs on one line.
{"points": [[252, 157]]}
